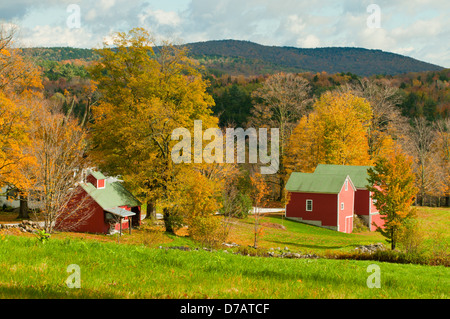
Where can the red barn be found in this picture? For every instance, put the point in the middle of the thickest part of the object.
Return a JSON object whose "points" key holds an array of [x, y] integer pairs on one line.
{"points": [[324, 188], [364, 205], [102, 206], [325, 200]]}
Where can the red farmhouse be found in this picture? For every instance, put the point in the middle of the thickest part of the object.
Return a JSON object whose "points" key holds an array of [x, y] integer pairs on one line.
{"points": [[106, 206], [331, 196]]}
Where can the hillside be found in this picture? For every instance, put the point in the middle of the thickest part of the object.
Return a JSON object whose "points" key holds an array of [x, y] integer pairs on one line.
{"points": [[223, 55], [246, 58]]}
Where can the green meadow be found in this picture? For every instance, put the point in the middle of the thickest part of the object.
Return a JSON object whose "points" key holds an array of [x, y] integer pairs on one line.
{"points": [[30, 269], [136, 266]]}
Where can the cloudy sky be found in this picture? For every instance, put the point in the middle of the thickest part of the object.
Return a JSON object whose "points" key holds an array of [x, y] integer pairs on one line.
{"points": [[416, 28]]}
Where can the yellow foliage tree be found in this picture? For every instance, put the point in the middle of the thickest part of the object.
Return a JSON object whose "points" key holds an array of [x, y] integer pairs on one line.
{"points": [[145, 96], [334, 133]]}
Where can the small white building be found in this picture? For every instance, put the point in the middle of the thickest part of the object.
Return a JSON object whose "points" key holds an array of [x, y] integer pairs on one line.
{"points": [[5, 202]]}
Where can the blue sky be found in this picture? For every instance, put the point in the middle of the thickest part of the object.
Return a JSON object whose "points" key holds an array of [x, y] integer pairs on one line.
{"points": [[416, 28]]}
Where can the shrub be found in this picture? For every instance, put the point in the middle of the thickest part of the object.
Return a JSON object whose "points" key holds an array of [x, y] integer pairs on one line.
{"points": [[236, 204], [208, 230], [358, 224], [43, 236], [252, 251], [410, 237]]}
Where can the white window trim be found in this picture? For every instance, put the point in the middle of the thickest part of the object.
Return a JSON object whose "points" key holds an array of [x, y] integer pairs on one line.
{"points": [[342, 206], [346, 185], [309, 200]]}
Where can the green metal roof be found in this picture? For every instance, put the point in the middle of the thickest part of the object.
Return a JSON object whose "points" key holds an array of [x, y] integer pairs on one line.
{"points": [[316, 183], [120, 212], [113, 195], [358, 174]]}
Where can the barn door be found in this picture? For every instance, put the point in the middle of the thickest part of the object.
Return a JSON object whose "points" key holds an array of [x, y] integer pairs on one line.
{"points": [[349, 224]]}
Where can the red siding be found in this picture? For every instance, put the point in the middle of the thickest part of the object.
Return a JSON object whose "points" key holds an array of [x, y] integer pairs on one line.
{"points": [[324, 207], [95, 221], [346, 197], [91, 179], [377, 220], [362, 202], [124, 220]]}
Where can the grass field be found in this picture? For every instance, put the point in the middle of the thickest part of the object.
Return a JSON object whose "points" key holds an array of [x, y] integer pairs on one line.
{"points": [[136, 268], [29, 269]]}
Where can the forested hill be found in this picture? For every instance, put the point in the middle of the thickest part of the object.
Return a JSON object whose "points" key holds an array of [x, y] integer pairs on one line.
{"points": [[234, 57], [243, 57]]}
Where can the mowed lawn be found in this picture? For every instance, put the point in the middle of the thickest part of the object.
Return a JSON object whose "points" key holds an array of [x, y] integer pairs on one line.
{"points": [[137, 268]]}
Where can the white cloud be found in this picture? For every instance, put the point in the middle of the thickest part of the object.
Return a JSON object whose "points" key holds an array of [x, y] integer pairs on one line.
{"points": [[418, 28], [55, 36], [161, 17], [311, 41]]}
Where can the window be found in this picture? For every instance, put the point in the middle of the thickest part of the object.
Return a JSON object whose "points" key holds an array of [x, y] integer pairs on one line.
{"points": [[346, 185], [100, 183], [342, 206], [309, 204]]}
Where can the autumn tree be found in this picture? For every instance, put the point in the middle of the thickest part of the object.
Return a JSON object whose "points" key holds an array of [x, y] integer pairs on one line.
{"points": [[421, 138], [20, 82], [145, 96], [439, 161], [392, 183], [259, 197], [57, 158], [384, 99], [281, 101], [334, 133]]}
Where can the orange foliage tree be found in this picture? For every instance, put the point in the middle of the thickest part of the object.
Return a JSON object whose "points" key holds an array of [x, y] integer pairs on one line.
{"points": [[392, 182]]}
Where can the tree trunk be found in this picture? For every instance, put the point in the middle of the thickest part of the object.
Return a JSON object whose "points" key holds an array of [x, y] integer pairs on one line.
{"points": [[151, 211], [167, 221], [23, 209], [392, 239]]}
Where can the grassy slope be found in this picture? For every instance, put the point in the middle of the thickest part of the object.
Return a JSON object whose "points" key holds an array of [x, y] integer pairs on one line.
{"points": [[29, 269], [299, 237], [134, 269]]}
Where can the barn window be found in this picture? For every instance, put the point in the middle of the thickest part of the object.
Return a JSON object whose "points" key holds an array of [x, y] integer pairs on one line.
{"points": [[346, 185], [100, 183], [342, 206], [309, 205]]}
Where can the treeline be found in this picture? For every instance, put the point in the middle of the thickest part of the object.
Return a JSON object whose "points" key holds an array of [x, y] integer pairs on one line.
{"points": [[421, 94], [419, 101], [61, 54]]}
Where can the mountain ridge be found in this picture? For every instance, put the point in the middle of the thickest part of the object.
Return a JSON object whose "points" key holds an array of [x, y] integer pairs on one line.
{"points": [[360, 61], [240, 57]]}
